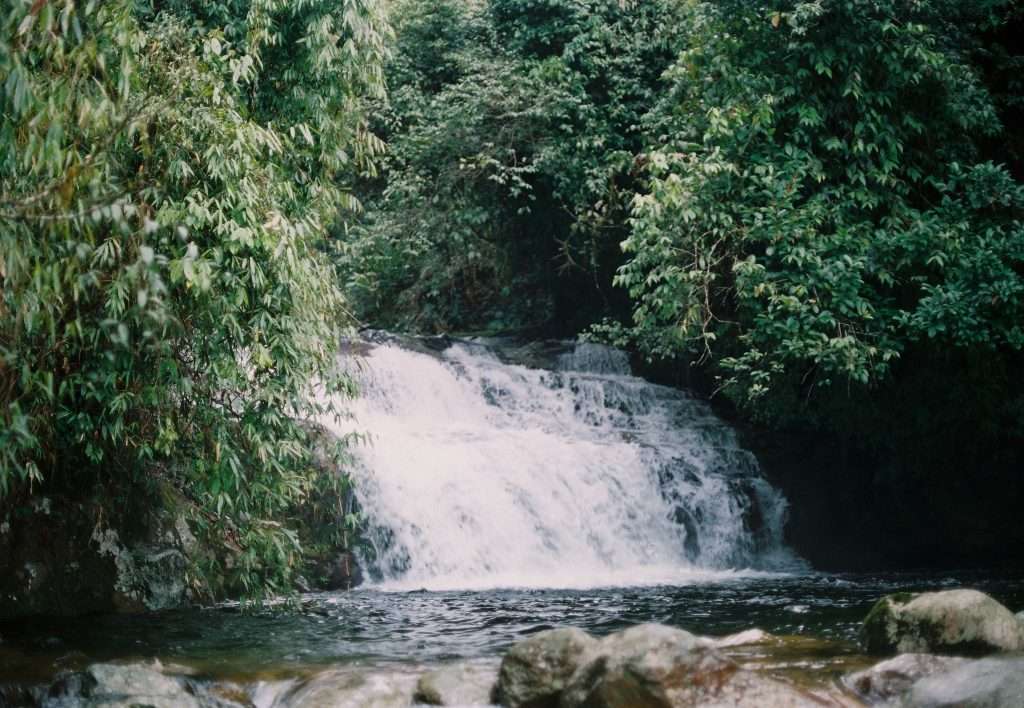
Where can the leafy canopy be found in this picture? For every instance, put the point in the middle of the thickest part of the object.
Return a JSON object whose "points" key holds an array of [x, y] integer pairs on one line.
{"points": [[817, 200], [167, 179]]}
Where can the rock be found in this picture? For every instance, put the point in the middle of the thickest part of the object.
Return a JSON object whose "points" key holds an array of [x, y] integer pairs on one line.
{"points": [[63, 556], [535, 671], [894, 677], [750, 636], [339, 571], [462, 684], [117, 686], [952, 621], [161, 572], [996, 682], [20, 695], [429, 345], [348, 689], [652, 666]]}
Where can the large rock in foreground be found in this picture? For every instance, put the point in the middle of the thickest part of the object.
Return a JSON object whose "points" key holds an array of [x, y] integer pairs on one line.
{"points": [[117, 686], [536, 670], [653, 666], [462, 684], [892, 678], [949, 622], [351, 689], [996, 682]]}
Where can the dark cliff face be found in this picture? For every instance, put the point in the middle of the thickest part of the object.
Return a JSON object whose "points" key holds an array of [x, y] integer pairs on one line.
{"points": [[47, 565], [854, 511], [925, 471], [66, 556], [95, 552]]}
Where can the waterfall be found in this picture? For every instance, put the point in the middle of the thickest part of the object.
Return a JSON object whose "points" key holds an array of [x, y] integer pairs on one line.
{"points": [[571, 472]]}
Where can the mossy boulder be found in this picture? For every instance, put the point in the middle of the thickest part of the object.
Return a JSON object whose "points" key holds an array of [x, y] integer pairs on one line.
{"points": [[949, 622], [535, 671], [68, 556]]}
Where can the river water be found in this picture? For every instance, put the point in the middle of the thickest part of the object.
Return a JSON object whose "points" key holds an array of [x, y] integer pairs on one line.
{"points": [[512, 488], [820, 614]]}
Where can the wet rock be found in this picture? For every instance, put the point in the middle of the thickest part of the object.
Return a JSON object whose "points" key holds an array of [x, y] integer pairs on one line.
{"points": [[348, 689], [996, 682], [535, 671], [749, 636], [20, 695], [429, 345], [223, 695], [462, 684], [119, 686], [47, 565], [892, 678], [339, 572], [64, 556], [653, 666], [160, 573], [952, 621]]}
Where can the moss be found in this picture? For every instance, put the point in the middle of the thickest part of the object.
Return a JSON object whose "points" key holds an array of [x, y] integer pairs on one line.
{"points": [[873, 634], [876, 633]]}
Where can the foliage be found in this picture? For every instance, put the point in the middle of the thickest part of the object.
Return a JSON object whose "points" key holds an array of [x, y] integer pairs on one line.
{"points": [[817, 200], [511, 128], [167, 177]]}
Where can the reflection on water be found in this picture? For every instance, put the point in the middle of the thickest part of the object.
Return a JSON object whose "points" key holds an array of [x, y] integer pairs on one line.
{"points": [[370, 627]]}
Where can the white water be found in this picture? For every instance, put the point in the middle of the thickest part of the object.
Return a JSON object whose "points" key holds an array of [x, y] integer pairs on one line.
{"points": [[482, 474]]}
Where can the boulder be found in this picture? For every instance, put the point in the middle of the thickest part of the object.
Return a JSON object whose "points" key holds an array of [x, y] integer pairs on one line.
{"points": [[350, 689], [338, 571], [65, 556], [948, 622], [535, 671], [996, 682], [117, 686], [653, 666], [892, 678], [461, 684]]}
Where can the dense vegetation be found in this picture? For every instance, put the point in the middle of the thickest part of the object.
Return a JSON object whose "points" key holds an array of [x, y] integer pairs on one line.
{"points": [[803, 191], [512, 128], [815, 207], [168, 175]]}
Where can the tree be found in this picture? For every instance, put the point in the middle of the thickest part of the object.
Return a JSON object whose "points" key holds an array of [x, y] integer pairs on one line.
{"points": [[512, 127], [168, 175], [818, 201]]}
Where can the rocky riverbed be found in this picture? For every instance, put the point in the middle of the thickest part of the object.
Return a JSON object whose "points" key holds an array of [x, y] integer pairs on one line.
{"points": [[949, 648]]}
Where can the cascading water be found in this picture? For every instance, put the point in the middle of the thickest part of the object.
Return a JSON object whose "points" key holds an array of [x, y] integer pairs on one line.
{"points": [[483, 473]]}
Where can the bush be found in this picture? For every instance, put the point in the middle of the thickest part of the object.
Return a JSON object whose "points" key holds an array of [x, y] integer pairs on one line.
{"points": [[168, 308]]}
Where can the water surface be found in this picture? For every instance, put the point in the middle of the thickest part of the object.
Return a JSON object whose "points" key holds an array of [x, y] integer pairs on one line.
{"points": [[375, 628]]}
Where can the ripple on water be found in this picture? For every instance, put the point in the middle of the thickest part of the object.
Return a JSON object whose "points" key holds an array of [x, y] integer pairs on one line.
{"points": [[818, 614]]}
